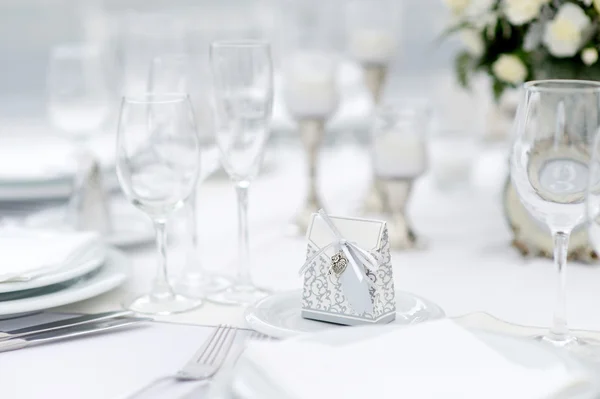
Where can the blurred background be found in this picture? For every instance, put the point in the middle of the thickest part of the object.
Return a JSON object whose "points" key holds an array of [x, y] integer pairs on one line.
{"points": [[131, 32]]}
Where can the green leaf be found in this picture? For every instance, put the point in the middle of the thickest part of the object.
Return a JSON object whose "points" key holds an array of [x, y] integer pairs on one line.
{"points": [[464, 65], [498, 88], [452, 30]]}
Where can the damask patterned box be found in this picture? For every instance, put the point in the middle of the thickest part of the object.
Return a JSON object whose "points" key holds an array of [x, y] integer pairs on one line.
{"points": [[347, 291]]}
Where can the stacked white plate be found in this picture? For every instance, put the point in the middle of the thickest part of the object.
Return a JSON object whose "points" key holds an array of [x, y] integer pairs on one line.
{"points": [[42, 167], [42, 269]]}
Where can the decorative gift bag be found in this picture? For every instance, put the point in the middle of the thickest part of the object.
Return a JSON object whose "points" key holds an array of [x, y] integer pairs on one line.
{"points": [[348, 276]]}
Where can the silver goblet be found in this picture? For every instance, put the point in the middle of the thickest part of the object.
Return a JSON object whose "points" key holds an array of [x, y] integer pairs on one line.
{"points": [[399, 157], [311, 95]]}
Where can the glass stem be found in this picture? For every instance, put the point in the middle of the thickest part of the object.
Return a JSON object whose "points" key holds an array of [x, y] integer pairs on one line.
{"points": [[161, 289], [83, 163], [194, 262], [243, 277], [559, 330]]}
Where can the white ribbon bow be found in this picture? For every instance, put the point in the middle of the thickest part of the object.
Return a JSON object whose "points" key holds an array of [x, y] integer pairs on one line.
{"points": [[356, 256]]}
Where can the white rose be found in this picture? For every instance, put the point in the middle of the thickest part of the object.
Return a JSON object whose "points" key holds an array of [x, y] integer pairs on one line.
{"points": [[562, 35], [589, 56], [473, 42], [457, 6], [520, 12], [510, 69]]}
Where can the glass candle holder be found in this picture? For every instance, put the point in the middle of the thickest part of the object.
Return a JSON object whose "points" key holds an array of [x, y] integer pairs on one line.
{"points": [[399, 157], [451, 153]]}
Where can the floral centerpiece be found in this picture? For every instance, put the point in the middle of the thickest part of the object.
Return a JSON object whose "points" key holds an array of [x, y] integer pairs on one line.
{"points": [[513, 41]]}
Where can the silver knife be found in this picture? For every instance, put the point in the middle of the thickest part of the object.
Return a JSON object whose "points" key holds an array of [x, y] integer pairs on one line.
{"points": [[77, 331], [67, 323]]}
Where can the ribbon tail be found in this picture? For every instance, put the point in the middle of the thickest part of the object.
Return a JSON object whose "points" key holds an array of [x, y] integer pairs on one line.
{"points": [[351, 258], [314, 257], [367, 258]]}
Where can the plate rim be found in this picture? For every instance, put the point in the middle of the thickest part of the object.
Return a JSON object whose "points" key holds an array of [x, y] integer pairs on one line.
{"points": [[119, 271], [60, 276], [264, 327]]}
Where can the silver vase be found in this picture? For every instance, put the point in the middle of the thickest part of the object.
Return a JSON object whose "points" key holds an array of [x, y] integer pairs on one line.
{"points": [[311, 134]]}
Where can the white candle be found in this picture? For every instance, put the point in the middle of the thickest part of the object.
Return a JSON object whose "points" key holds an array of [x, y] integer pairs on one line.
{"points": [[372, 46], [311, 87], [399, 156]]}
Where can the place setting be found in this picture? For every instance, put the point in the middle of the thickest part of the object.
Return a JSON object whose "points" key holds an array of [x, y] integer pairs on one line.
{"points": [[160, 239]]}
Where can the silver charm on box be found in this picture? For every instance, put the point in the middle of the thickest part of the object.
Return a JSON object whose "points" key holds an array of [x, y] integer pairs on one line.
{"points": [[348, 277]]}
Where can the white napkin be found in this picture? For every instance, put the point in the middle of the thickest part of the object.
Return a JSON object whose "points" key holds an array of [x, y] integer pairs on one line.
{"points": [[32, 252], [431, 360], [31, 159]]}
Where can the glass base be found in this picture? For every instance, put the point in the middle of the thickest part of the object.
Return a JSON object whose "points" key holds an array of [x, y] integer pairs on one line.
{"points": [[162, 305], [199, 285], [588, 349], [239, 295]]}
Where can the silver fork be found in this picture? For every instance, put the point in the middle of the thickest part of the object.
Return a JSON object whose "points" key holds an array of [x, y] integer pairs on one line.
{"points": [[206, 361]]}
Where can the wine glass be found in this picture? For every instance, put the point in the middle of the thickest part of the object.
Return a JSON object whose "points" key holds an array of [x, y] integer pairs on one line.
{"points": [[158, 160], [554, 128], [78, 104], [178, 73], [243, 100]]}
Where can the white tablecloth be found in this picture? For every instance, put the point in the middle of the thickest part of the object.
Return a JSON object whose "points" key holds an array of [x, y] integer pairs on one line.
{"points": [[467, 267]]}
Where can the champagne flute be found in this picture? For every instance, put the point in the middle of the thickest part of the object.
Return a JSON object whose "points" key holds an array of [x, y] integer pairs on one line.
{"points": [[553, 131], [158, 160], [178, 73], [243, 99], [78, 105]]}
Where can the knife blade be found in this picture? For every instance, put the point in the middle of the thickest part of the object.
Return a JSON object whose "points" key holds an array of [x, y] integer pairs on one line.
{"points": [[71, 332], [67, 323]]}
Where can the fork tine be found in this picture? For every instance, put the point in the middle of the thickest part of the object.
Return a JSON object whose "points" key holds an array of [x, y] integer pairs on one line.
{"points": [[205, 355], [207, 344], [224, 348]]}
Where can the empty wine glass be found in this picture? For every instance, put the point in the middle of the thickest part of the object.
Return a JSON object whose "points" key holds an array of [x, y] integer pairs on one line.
{"points": [[243, 100], [78, 104], [178, 73], [553, 131], [158, 160]]}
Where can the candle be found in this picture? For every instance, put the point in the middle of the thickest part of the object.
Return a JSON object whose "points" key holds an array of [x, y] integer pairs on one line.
{"points": [[372, 45], [397, 155], [311, 90]]}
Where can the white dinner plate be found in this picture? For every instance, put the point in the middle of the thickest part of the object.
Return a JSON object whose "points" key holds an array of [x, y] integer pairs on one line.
{"points": [[249, 382], [69, 272], [278, 315], [110, 275], [130, 226]]}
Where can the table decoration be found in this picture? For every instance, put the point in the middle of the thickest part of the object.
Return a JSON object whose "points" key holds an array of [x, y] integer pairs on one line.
{"points": [[556, 123], [372, 41], [311, 95], [452, 153], [345, 283], [399, 157]]}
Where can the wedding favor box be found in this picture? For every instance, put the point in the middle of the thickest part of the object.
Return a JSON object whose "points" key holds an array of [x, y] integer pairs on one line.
{"points": [[348, 276]]}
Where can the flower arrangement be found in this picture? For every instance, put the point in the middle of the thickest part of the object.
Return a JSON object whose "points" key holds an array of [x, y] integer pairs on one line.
{"points": [[518, 40]]}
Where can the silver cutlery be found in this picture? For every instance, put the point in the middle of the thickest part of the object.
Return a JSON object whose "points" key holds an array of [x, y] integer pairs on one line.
{"points": [[61, 324], [71, 332], [206, 361]]}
